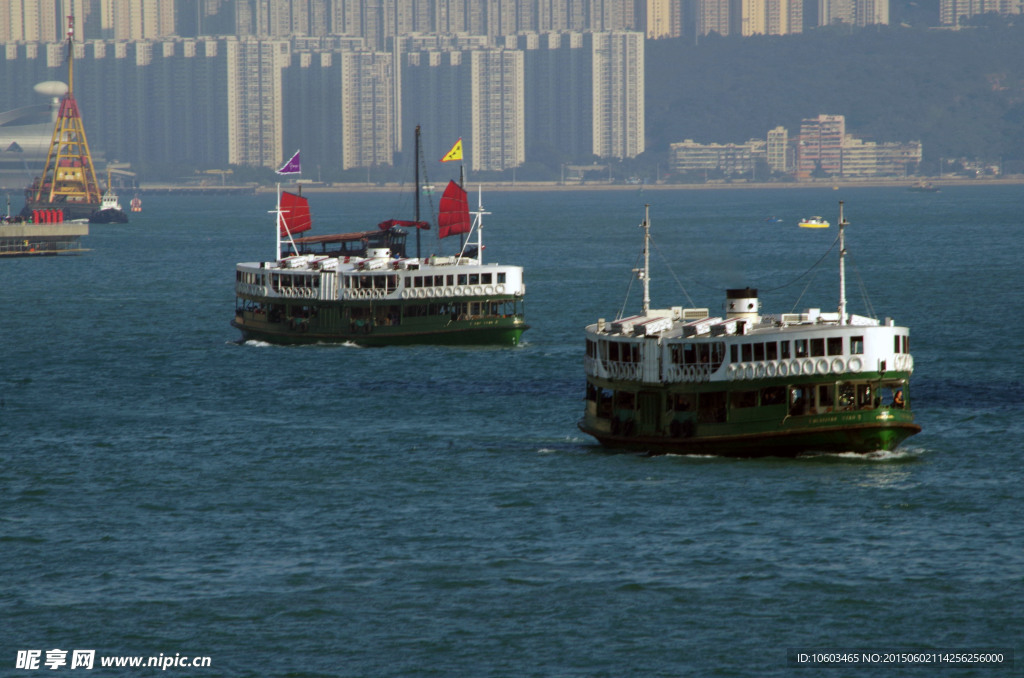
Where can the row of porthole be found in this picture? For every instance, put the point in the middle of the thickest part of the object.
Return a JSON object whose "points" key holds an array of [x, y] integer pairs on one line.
{"points": [[806, 367]]}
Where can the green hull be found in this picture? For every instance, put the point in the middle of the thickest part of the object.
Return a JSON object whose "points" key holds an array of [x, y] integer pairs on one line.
{"points": [[790, 442], [723, 423], [465, 333]]}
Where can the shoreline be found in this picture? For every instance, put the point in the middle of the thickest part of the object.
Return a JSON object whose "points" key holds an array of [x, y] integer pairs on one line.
{"points": [[537, 186]]}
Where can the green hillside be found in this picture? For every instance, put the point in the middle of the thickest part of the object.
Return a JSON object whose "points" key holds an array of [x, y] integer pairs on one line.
{"points": [[961, 93]]}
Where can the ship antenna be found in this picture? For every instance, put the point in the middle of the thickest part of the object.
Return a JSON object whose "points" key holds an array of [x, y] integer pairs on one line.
{"points": [[645, 274], [842, 266]]}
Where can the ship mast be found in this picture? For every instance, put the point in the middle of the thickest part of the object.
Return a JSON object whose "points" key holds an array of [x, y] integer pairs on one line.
{"points": [[842, 266], [416, 178], [645, 274]]}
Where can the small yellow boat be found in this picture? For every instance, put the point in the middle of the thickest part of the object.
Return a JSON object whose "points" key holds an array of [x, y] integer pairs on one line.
{"points": [[813, 222]]}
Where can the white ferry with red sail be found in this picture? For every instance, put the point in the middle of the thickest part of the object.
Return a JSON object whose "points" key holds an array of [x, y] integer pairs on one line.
{"points": [[364, 288]]}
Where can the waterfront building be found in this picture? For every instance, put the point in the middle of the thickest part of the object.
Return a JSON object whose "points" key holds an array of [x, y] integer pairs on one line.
{"points": [[777, 149], [953, 12], [729, 159], [854, 12], [820, 145]]}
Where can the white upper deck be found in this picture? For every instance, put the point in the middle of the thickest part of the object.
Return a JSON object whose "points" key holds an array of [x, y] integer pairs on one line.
{"points": [[377, 276]]}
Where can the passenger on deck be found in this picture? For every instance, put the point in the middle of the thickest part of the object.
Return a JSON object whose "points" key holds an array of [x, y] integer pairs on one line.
{"points": [[897, 399]]}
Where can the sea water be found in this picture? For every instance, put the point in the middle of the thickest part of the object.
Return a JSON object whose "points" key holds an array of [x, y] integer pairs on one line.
{"points": [[167, 491]]}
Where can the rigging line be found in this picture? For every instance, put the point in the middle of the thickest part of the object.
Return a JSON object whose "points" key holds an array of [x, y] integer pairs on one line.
{"points": [[629, 287], [863, 289], [813, 266], [672, 272], [806, 287]]}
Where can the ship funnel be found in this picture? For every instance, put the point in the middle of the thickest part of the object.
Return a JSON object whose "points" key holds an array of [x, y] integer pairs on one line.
{"points": [[742, 304]]}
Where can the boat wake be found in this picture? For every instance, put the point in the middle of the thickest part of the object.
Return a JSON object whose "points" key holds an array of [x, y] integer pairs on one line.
{"points": [[901, 454]]}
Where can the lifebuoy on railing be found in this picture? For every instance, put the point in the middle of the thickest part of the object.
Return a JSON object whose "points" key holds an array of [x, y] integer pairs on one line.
{"points": [[448, 292], [730, 372], [783, 369], [769, 369], [478, 290], [405, 294], [854, 365], [500, 289], [822, 366], [837, 366], [759, 371], [488, 290]]}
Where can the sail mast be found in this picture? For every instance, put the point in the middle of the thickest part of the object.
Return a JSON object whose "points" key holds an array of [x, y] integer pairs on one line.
{"points": [[842, 266], [416, 169]]}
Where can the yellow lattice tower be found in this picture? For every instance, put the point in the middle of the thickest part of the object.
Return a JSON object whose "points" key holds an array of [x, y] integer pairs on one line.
{"points": [[68, 176]]}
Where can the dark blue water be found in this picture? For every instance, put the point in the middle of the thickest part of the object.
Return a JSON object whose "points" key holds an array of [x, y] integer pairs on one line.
{"points": [[337, 511]]}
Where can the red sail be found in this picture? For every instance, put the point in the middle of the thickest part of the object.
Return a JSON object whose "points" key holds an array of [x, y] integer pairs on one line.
{"points": [[454, 215], [295, 217]]}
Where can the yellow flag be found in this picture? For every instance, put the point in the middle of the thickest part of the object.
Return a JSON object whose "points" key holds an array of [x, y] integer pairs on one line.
{"points": [[455, 153]]}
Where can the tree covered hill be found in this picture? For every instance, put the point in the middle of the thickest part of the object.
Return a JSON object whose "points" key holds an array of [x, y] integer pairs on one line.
{"points": [[961, 93]]}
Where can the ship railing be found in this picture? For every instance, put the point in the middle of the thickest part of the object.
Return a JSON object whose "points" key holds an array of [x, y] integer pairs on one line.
{"points": [[298, 292], [251, 289], [903, 362], [612, 369], [688, 373], [356, 293]]}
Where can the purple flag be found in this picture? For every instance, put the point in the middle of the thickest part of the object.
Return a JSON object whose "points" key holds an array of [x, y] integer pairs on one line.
{"points": [[293, 166]]}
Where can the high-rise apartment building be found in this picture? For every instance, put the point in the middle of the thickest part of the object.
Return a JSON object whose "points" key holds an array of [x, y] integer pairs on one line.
{"points": [[778, 149], [254, 100], [771, 17], [617, 59], [497, 104]]}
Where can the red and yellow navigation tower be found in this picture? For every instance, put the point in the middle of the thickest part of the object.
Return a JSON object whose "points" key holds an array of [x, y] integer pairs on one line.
{"points": [[68, 181]]}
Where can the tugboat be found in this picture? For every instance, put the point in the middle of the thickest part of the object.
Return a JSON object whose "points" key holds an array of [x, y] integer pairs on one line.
{"points": [[747, 384], [362, 288], [110, 211]]}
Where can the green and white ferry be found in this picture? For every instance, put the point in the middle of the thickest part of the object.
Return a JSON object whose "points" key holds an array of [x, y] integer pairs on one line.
{"points": [[747, 384], [363, 289]]}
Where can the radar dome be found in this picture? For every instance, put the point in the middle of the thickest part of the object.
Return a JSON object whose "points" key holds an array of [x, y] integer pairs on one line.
{"points": [[51, 88]]}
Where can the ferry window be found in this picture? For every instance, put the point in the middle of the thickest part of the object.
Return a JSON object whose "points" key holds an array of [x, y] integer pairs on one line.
{"points": [[451, 280], [906, 344], [824, 395], [734, 353], [474, 278], [689, 354], [773, 395], [864, 396], [462, 278], [785, 350], [801, 348], [591, 349], [741, 399], [758, 351], [817, 347], [613, 351], [501, 278], [717, 354], [846, 396], [417, 281], [624, 400], [835, 346], [682, 403], [800, 399], [485, 278], [771, 351], [438, 281], [857, 345], [711, 407], [748, 352]]}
